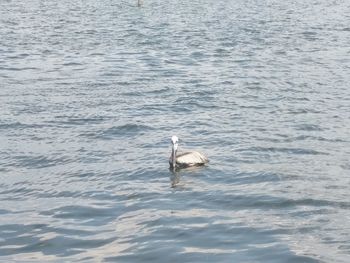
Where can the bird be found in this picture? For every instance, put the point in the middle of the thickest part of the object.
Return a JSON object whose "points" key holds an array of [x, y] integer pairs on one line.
{"points": [[185, 159]]}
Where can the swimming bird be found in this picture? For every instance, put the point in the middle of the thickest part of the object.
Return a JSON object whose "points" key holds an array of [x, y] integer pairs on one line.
{"points": [[186, 159]]}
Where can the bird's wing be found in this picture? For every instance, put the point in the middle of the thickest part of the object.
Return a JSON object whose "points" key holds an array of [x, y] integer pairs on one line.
{"points": [[192, 157]]}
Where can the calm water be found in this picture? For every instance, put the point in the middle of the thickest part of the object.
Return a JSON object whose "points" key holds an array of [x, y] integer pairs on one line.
{"points": [[91, 92]]}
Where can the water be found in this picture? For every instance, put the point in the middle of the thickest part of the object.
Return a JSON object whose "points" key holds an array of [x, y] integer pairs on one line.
{"points": [[92, 91]]}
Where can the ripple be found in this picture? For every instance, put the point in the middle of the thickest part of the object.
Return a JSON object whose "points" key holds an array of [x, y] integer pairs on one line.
{"points": [[272, 202], [44, 239], [309, 127], [38, 161], [20, 126], [296, 151], [79, 212], [127, 130], [18, 68]]}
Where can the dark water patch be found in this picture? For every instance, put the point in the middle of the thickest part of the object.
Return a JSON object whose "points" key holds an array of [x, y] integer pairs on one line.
{"points": [[345, 248], [203, 92], [345, 166], [69, 231], [71, 64], [223, 51], [18, 68], [294, 151], [198, 55], [130, 94], [3, 169], [57, 245], [336, 187], [155, 109], [309, 127], [273, 202], [72, 121], [127, 130], [17, 236], [298, 111], [58, 194], [315, 138], [310, 35], [313, 212], [26, 236], [4, 211], [38, 161], [16, 193], [160, 91], [254, 178], [256, 107], [291, 139], [83, 174], [20, 55], [20, 126], [15, 229], [86, 213], [192, 104], [91, 156], [226, 244], [103, 196]]}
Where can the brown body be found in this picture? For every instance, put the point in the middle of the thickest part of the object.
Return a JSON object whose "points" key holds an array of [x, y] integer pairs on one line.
{"points": [[188, 159]]}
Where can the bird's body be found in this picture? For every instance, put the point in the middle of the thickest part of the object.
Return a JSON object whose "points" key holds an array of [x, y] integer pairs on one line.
{"points": [[188, 159], [185, 159]]}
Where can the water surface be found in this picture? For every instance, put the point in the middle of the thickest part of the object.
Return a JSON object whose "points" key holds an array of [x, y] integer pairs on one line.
{"points": [[92, 91]]}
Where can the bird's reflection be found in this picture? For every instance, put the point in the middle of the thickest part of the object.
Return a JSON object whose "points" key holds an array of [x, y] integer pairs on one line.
{"points": [[175, 175]]}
